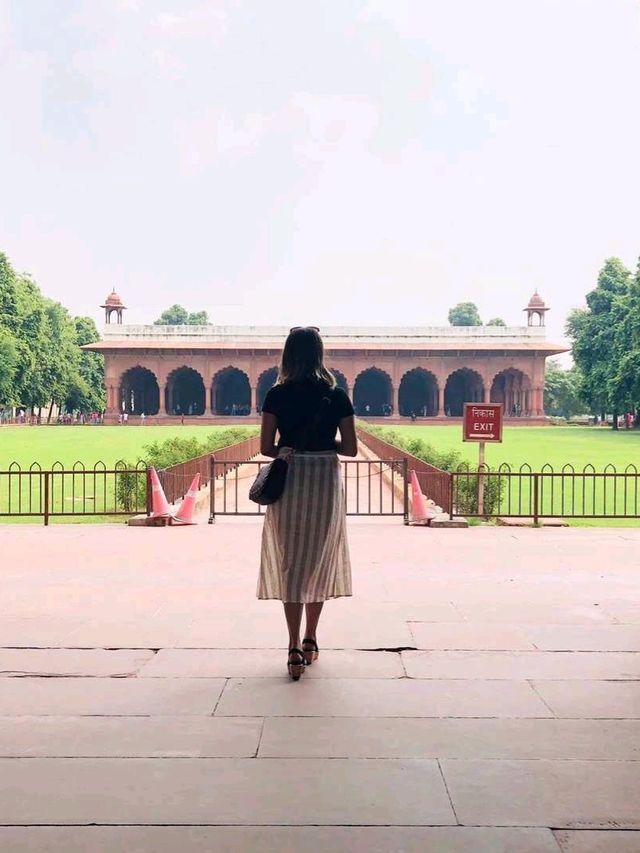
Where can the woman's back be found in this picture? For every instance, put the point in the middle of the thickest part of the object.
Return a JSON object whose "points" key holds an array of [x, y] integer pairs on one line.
{"points": [[297, 405]]}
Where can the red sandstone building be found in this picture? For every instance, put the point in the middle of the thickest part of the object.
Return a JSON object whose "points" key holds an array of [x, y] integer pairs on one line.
{"points": [[207, 372]]}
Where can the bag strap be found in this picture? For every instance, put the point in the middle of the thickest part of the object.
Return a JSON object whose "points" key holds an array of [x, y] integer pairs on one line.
{"points": [[315, 423]]}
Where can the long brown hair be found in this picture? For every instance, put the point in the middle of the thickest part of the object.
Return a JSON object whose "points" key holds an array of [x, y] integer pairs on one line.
{"points": [[303, 358]]}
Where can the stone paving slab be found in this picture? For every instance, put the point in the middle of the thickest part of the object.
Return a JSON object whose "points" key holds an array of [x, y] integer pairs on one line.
{"points": [[30, 631], [327, 737], [69, 662], [528, 612], [278, 839], [130, 737], [596, 699], [109, 696], [223, 791], [372, 697], [598, 841], [240, 631], [468, 635], [593, 638], [520, 665], [561, 794], [269, 663]]}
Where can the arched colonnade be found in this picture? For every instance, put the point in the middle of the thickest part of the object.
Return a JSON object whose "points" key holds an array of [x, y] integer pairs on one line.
{"points": [[418, 391]]}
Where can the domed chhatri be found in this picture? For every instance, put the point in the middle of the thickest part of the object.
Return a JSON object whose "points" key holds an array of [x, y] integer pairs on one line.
{"points": [[112, 303], [536, 309]]}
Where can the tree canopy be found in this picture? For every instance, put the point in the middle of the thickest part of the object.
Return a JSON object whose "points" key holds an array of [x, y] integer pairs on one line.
{"points": [[465, 314], [41, 363], [606, 341], [176, 315], [562, 392], [496, 321]]}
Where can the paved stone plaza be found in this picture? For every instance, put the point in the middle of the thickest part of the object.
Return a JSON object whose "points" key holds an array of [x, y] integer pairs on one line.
{"points": [[480, 692]]}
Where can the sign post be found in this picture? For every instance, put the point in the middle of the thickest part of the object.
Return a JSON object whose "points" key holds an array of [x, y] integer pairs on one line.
{"points": [[482, 422]]}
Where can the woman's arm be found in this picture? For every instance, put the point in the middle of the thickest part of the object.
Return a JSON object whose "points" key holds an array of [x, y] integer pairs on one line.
{"points": [[268, 435], [348, 444]]}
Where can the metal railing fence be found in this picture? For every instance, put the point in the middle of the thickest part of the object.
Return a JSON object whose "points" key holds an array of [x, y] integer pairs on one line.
{"points": [[524, 493], [59, 492], [434, 482], [176, 479], [371, 487]]}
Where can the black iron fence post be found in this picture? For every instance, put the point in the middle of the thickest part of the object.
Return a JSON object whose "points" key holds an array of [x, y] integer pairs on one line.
{"points": [[536, 498], [149, 498], [46, 498], [212, 489], [405, 478]]}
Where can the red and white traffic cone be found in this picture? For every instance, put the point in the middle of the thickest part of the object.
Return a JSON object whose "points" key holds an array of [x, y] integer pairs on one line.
{"points": [[159, 504], [187, 508], [419, 511]]}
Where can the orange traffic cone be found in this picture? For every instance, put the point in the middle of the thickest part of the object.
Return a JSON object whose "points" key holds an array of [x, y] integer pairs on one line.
{"points": [[159, 503], [188, 506], [419, 511]]}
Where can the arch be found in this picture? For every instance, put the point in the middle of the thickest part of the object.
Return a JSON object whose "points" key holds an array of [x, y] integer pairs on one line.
{"points": [[372, 388], [139, 392], [231, 392], [463, 386], [512, 388], [266, 381], [418, 392], [184, 394], [341, 379]]}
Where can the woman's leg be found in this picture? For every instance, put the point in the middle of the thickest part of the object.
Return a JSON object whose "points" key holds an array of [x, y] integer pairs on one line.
{"points": [[293, 613], [313, 611]]}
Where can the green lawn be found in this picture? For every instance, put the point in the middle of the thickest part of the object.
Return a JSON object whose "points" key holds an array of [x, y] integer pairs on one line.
{"points": [[88, 444], [45, 446], [537, 446], [555, 446]]}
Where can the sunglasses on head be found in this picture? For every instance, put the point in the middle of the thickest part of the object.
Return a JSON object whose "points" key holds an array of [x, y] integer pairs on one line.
{"points": [[300, 328]]}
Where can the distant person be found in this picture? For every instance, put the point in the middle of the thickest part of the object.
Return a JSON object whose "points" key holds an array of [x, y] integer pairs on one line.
{"points": [[125, 418], [142, 417], [305, 555]]}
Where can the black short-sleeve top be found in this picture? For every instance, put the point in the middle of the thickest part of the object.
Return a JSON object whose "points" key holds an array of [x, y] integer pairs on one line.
{"points": [[296, 405]]}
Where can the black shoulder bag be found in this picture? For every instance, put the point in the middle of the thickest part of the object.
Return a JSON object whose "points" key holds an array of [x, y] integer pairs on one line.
{"points": [[269, 485]]}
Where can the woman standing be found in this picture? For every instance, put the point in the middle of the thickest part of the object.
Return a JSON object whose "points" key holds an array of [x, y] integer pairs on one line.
{"points": [[305, 556]]}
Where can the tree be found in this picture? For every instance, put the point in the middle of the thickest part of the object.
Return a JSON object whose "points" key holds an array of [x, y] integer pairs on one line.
{"points": [[8, 367], [465, 314], [496, 321], [87, 393], [624, 384], [176, 315], [562, 393], [596, 338]]}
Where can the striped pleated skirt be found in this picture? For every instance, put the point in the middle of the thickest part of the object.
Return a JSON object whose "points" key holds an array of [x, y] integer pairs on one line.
{"points": [[305, 555]]}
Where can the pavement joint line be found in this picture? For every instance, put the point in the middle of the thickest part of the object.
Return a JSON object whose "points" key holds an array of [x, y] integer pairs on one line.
{"points": [[318, 825], [446, 787], [532, 685], [264, 720], [224, 687], [314, 758]]}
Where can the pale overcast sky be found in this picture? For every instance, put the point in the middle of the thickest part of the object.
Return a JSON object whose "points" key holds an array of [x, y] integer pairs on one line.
{"points": [[337, 161]]}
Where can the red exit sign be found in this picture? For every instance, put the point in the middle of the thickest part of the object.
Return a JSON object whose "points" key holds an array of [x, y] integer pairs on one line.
{"points": [[482, 422]]}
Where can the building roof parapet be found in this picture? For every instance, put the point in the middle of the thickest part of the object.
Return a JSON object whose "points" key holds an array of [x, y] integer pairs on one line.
{"points": [[159, 335]]}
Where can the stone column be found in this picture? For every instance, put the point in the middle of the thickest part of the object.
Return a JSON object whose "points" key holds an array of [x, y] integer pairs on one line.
{"points": [[161, 402], [487, 392], [254, 399], [208, 395], [395, 398], [441, 400]]}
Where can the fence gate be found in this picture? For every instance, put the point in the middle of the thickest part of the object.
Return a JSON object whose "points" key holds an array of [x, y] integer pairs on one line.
{"points": [[371, 487]]}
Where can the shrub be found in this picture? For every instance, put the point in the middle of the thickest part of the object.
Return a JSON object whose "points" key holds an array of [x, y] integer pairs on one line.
{"points": [[466, 493], [131, 488]]}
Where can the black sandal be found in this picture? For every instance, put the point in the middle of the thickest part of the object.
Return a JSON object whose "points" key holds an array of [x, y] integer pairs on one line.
{"points": [[310, 654], [295, 669]]}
